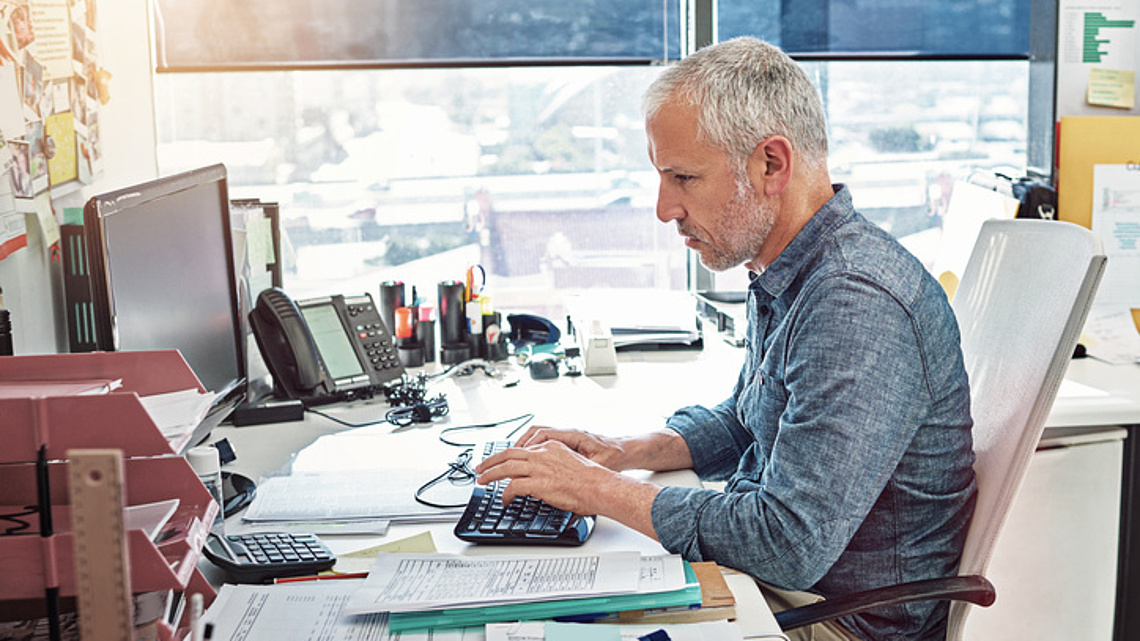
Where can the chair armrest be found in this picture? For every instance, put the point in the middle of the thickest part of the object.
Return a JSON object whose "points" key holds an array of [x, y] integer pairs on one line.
{"points": [[973, 588]]}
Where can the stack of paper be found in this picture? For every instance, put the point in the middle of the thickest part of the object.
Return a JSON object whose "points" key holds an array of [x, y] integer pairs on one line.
{"points": [[638, 318], [177, 413], [359, 495], [421, 591], [314, 611]]}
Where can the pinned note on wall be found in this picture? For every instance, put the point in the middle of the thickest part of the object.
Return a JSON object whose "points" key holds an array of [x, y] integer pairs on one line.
{"points": [[1116, 220], [1111, 88]]}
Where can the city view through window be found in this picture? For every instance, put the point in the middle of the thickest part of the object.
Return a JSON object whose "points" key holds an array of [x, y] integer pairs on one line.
{"points": [[540, 174]]}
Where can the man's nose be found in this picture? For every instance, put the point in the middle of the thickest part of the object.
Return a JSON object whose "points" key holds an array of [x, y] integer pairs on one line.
{"points": [[669, 207]]}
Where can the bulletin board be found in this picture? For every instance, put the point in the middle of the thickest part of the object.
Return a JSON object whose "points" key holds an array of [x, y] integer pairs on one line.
{"points": [[1097, 57], [51, 89]]}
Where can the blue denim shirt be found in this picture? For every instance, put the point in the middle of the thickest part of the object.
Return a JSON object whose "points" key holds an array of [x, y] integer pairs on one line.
{"points": [[846, 443]]}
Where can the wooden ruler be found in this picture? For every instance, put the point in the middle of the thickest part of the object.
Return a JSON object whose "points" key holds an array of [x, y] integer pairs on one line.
{"points": [[102, 572]]}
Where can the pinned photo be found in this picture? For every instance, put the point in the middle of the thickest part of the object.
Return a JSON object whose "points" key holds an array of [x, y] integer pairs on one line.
{"points": [[21, 173], [20, 22], [33, 84]]}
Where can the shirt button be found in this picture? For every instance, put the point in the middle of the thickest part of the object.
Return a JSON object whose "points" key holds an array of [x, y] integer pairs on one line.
{"points": [[764, 309]]}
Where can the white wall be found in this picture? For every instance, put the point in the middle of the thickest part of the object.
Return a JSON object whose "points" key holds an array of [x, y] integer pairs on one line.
{"points": [[32, 284]]}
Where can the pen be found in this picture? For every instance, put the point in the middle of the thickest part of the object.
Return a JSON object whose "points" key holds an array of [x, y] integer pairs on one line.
{"points": [[322, 577]]}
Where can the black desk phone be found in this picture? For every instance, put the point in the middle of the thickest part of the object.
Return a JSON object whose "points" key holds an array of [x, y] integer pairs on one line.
{"points": [[324, 349]]}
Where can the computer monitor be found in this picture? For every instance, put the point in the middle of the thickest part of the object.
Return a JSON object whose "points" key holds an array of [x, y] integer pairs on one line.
{"points": [[162, 277]]}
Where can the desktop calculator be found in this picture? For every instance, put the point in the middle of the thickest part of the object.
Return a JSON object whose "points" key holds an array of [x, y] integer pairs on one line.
{"points": [[262, 557], [525, 521]]}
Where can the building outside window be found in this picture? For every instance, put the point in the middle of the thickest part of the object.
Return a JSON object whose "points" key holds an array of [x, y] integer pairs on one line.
{"points": [[411, 140]]}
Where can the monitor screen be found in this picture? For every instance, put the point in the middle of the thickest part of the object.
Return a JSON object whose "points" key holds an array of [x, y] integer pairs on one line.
{"points": [[163, 277]]}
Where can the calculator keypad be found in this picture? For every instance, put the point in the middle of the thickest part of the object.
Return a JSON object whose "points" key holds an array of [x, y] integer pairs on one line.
{"points": [[257, 558]]}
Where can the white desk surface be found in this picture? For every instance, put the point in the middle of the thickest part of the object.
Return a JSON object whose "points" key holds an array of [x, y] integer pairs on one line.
{"points": [[646, 389], [1096, 393]]}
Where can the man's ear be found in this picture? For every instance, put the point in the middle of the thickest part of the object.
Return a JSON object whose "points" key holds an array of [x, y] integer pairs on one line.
{"points": [[770, 166]]}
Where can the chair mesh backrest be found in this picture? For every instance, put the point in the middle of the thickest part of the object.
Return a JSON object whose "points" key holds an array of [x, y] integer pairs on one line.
{"points": [[1020, 306]]}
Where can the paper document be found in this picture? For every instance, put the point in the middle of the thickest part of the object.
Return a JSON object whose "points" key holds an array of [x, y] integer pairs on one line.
{"points": [[421, 582], [1116, 220], [552, 631], [376, 527], [377, 494], [1111, 336], [149, 517], [637, 317], [177, 413], [307, 611]]}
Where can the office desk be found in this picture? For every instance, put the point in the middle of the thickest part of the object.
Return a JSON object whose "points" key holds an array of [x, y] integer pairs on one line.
{"points": [[644, 391], [1115, 411], [1056, 563]]}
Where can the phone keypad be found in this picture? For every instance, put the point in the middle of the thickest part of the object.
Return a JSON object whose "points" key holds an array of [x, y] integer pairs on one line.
{"points": [[380, 348]]}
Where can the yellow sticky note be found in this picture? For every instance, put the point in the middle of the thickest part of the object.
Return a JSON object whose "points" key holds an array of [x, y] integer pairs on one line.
{"points": [[1112, 88], [259, 242], [62, 165], [363, 560]]}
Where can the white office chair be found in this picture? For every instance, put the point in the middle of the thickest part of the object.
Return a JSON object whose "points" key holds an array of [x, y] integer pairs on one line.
{"points": [[1021, 304]]}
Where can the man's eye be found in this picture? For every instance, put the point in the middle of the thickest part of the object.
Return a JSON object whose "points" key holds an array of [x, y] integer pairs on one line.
{"points": [[681, 179]]}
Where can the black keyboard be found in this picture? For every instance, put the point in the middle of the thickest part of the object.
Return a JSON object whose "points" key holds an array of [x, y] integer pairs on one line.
{"points": [[525, 521]]}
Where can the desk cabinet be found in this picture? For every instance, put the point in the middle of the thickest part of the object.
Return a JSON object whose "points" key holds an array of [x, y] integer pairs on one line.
{"points": [[1055, 563]]}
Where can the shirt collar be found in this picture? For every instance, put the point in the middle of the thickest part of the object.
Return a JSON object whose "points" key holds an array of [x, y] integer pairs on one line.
{"points": [[779, 275]]}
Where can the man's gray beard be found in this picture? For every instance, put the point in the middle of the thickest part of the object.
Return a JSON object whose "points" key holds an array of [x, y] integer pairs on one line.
{"points": [[743, 227]]}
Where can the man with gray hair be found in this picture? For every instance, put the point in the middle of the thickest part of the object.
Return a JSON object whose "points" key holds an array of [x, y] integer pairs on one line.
{"points": [[845, 444]]}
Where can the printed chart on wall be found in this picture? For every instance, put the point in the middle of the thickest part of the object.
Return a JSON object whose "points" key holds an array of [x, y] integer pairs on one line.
{"points": [[1116, 220], [1097, 51], [51, 88]]}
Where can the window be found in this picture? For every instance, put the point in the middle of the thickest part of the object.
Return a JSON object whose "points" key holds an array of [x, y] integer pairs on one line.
{"points": [[919, 29], [538, 174], [526, 152]]}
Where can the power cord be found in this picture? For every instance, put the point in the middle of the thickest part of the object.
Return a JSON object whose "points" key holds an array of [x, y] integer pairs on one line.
{"points": [[420, 412], [410, 404], [459, 471], [524, 418]]}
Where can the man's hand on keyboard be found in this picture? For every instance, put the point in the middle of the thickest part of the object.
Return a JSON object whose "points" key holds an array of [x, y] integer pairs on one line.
{"points": [[550, 471], [605, 451]]}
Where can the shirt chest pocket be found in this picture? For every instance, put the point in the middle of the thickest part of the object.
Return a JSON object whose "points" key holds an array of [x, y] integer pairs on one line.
{"points": [[763, 397]]}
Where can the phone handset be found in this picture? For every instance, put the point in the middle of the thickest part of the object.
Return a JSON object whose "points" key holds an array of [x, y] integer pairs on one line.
{"points": [[286, 342]]}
